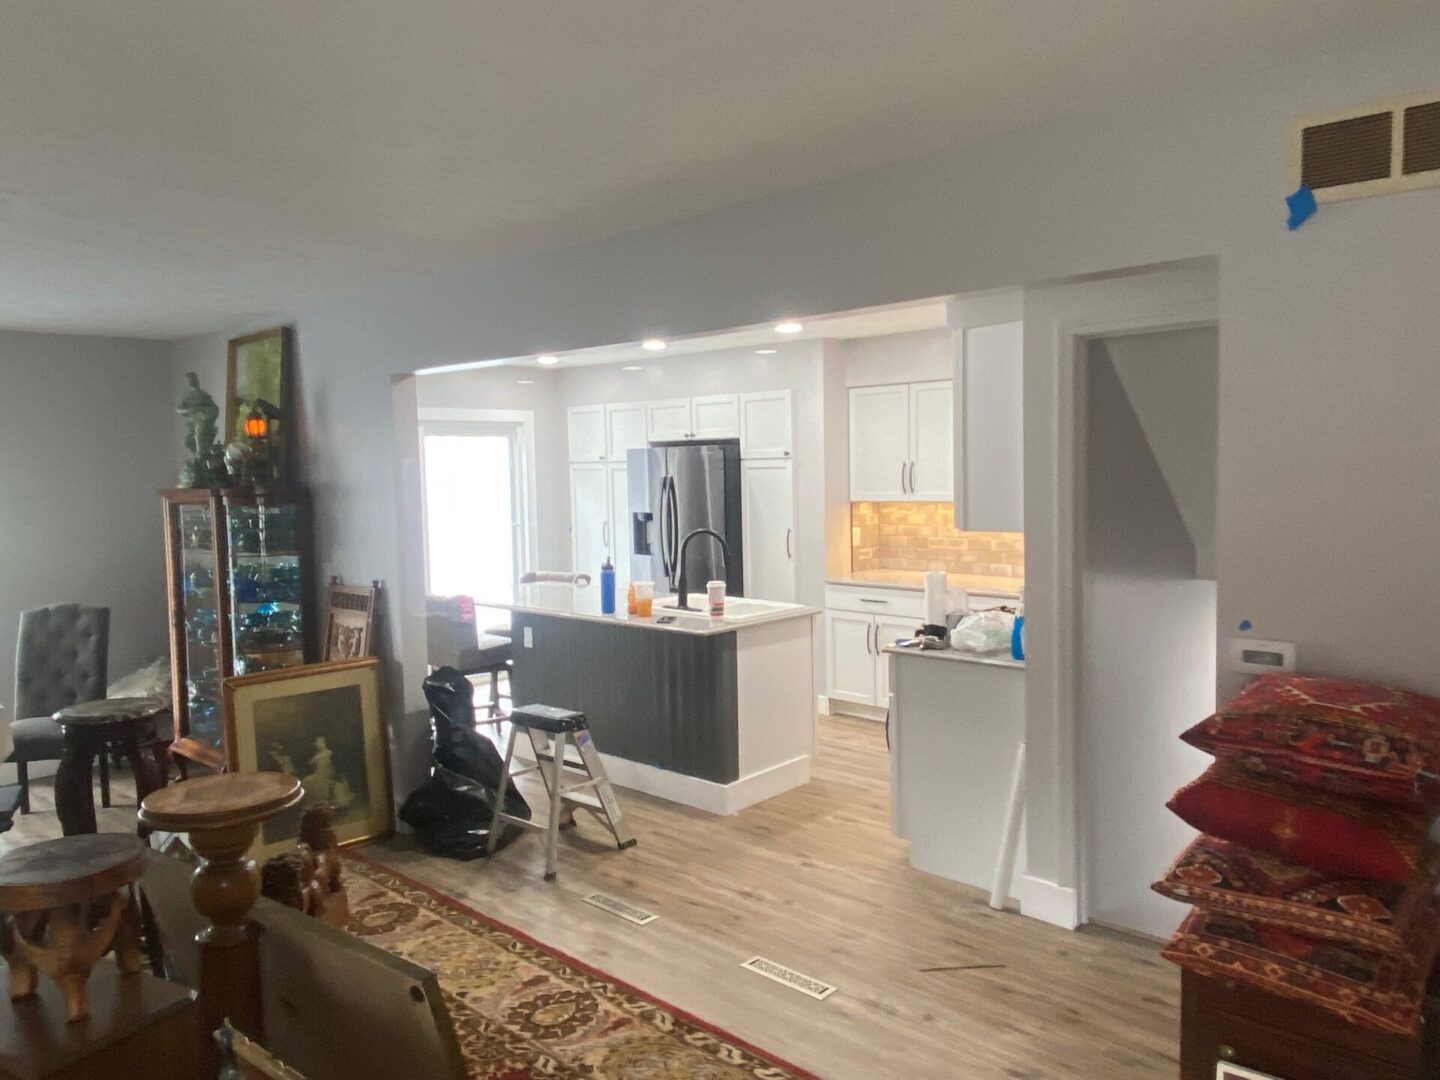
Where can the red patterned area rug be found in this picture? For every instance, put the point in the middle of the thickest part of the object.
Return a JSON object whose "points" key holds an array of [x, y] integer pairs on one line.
{"points": [[523, 1011]]}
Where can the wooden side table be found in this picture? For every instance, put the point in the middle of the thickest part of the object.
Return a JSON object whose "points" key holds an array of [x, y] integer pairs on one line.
{"points": [[222, 815], [68, 902], [107, 726]]}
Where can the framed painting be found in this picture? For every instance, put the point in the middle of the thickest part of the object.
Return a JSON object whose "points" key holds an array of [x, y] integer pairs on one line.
{"points": [[322, 724], [259, 373]]}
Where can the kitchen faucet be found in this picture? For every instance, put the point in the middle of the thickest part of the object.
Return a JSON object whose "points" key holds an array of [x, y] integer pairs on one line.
{"points": [[681, 586]]}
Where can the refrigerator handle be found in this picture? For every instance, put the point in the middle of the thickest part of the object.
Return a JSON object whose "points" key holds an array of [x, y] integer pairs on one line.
{"points": [[664, 511], [674, 534]]}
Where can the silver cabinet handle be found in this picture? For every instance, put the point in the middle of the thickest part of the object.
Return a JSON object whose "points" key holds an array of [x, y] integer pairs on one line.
{"points": [[903, 488], [788, 555], [605, 534], [912, 478], [868, 600]]}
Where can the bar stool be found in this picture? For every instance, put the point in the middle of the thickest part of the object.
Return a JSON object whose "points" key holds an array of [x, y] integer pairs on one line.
{"points": [[566, 726]]}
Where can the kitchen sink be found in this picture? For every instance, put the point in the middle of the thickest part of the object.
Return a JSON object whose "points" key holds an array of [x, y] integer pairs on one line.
{"points": [[738, 609]]}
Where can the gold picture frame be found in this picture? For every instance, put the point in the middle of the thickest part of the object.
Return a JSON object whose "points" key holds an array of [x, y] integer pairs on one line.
{"points": [[323, 724], [259, 367]]}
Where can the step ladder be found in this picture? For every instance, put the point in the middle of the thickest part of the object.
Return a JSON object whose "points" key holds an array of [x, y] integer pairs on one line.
{"points": [[563, 729]]}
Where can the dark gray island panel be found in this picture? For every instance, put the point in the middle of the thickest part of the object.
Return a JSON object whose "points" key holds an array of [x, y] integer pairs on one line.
{"points": [[663, 699]]}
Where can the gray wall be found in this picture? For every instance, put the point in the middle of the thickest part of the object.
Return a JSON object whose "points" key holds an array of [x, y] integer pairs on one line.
{"points": [[1328, 365], [87, 439]]}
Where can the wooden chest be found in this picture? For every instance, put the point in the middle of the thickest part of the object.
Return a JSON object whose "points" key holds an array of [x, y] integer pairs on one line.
{"points": [[1222, 1022]]}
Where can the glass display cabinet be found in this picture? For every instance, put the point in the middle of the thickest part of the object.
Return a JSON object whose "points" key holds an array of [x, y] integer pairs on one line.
{"points": [[238, 566]]}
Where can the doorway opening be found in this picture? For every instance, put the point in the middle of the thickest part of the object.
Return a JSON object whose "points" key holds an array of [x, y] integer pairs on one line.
{"points": [[1146, 496]]}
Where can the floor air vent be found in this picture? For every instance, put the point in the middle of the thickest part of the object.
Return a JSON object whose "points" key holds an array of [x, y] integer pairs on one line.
{"points": [[786, 977], [1372, 149], [614, 906]]}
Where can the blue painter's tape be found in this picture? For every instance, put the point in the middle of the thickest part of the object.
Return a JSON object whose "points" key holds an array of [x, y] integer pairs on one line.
{"points": [[1246, 624], [1302, 207]]}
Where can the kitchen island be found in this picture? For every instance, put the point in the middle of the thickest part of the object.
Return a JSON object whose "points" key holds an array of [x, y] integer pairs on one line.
{"points": [[717, 714]]}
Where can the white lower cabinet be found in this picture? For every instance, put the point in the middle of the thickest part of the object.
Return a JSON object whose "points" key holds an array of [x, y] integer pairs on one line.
{"points": [[767, 491], [859, 623]]}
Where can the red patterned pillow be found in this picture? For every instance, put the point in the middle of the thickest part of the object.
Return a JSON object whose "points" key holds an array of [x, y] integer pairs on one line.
{"points": [[1334, 833], [1227, 879], [1352, 738], [1383, 991]]}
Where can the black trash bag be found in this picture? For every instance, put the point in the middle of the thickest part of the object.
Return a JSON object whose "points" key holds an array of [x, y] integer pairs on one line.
{"points": [[451, 812], [451, 816]]}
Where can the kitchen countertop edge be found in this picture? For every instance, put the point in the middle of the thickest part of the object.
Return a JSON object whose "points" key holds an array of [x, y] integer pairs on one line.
{"points": [[956, 656]]}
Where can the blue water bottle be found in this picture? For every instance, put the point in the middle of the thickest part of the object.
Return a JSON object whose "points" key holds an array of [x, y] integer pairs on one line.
{"points": [[1017, 635], [607, 588]]}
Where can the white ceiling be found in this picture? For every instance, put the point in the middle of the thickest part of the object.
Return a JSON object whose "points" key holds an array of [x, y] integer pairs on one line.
{"points": [[863, 323], [175, 166]]}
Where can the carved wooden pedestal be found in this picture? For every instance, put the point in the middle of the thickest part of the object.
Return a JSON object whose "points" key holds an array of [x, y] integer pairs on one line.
{"points": [[108, 726], [222, 815], [69, 902]]}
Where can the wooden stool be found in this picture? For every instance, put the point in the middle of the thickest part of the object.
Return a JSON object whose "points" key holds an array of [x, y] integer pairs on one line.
{"points": [[222, 815], [69, 902], [94, 729]]}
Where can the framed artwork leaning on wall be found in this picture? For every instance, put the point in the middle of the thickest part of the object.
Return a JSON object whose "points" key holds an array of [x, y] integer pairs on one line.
{"points": [[322, 724]]}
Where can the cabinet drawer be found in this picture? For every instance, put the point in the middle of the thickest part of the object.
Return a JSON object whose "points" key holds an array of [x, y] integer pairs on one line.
{"points": [[876, 601]]}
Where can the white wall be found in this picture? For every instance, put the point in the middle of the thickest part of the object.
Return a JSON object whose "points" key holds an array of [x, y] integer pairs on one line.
{"points": [[88, 442], [1328, 368], [1170, 379], [917, 356]]}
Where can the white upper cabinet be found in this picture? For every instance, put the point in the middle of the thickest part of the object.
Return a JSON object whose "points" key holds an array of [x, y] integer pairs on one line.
{"points": [[901, 442], [932, 442], [879, 443], [668, 421], [990, 449], [715, 416], [765, 425], [625, 430], [586, 425], [767, 490]]}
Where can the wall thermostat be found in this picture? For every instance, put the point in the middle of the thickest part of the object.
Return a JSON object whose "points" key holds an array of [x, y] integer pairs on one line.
{"points": [[1248, 654]]}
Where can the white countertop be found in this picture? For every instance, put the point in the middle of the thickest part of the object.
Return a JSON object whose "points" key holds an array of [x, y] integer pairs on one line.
{"points": [[958, 655], [569, 602], [914, 581]]}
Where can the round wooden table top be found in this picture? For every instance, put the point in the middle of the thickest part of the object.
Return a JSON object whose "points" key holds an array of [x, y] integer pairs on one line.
{"points": [[110, 710], [70, 870], [213, 802]]}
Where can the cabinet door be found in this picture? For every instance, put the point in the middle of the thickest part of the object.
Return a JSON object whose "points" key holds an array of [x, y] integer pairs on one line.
{"points": [[768, 490], [715, 416], [879, 443], [668, 421], [990, 450], [587, 432], [589, 517], [618, 528], [765, 430], [850, 657], [887, 632], [624, 430], [932, 442]]}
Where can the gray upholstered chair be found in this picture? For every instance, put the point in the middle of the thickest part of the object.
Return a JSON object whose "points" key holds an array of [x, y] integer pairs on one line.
{"points": [[61, 659]]}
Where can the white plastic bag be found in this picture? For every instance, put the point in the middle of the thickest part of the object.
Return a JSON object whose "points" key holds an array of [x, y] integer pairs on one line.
{"points": [[984, 631]]}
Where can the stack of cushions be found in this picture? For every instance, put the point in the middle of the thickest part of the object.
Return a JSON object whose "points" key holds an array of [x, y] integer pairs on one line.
{"points": [[1314, 876]]}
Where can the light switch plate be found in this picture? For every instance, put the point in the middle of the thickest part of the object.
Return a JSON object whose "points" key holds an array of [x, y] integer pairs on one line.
{"points": [[529, 636], [1261, 657]]}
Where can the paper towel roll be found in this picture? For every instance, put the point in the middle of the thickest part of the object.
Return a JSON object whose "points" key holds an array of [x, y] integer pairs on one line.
{"points": [[936, 600]]}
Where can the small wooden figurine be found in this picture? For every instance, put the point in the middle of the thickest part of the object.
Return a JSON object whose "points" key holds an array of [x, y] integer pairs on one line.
{"points": [[309, 880]]}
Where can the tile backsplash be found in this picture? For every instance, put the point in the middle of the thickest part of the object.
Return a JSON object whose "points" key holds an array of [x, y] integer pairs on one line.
{"points": [[922, 536]]}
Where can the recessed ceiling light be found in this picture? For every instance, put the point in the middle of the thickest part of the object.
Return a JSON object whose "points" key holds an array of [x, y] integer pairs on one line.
{"points": [[526, 382], [547, 360], [653, 344], [632, 367], [766, 352], [788, 327]]}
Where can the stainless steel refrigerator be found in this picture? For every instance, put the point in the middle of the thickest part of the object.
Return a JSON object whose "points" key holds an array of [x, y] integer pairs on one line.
{"points": [[676, 488]]}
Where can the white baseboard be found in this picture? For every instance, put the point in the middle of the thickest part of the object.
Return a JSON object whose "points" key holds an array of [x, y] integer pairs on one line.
{"points": [[707, 795], [1048, 902], [858, 712], [822, 704]]}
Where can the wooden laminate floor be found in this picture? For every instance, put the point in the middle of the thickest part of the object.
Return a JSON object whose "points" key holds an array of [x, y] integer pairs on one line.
{"points": [[932, 983]]}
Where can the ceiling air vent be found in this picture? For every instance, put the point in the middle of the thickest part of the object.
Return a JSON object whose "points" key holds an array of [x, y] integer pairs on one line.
{"points": [[1372, 149]]}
